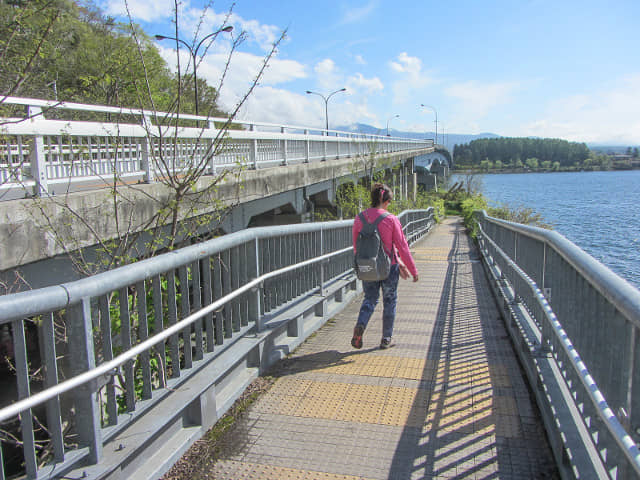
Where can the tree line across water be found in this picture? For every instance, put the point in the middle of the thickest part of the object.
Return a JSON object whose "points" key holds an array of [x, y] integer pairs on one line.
{"points": [[524, 153]]}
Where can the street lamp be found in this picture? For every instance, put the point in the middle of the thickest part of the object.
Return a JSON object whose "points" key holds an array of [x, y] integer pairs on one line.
{"points": [[390, 118], [194, 55], [326, 103], [434, 111]]}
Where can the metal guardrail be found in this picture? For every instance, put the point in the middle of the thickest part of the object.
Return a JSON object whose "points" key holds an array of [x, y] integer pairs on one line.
{"points": [[110, 346], [585, 319], [39, 155]]}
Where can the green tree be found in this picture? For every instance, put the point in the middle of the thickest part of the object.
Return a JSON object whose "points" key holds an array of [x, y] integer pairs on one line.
{"points": [[532, 163], [30, 34], [486, 165]]}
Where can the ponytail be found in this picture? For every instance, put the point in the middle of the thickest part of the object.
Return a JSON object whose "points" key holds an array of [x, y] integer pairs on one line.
{"points": [[380, 193]]}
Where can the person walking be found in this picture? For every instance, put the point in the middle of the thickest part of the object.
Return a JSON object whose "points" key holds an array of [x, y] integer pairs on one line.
{"points": [[396, 246]]}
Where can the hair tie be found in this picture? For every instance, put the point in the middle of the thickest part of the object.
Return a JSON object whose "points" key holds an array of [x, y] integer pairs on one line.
{"points": [[382, 195]]}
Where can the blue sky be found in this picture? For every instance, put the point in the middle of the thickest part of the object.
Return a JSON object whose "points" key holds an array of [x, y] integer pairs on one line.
{"points": [[549, 68]]}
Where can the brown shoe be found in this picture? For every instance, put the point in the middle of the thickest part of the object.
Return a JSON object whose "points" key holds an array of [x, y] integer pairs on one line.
{"points": [[356, 340]]}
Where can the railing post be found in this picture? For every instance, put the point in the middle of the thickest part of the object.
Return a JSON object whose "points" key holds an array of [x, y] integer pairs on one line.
{"points": [[321, 264], [37, 158], [308, 147], [145, 162], [253, 151], [284, 148], [26, 417], [82, 359], [324, 157], [254, 272], [211, 148], [337, 147]]}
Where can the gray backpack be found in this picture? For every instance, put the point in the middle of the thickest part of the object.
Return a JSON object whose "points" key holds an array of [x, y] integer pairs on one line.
{"points": [[372, 263]]}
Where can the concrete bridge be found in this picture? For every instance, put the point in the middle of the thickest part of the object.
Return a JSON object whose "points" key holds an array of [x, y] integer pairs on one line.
{"points": [[57, 177]]}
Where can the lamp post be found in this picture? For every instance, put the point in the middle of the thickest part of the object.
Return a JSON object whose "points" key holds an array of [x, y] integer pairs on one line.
{"points": [[434, 111], [390, 118], [326, 103], [194, 55]]}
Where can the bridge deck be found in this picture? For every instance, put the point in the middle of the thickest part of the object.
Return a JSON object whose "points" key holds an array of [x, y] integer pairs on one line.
{"points": [[447, 401]]}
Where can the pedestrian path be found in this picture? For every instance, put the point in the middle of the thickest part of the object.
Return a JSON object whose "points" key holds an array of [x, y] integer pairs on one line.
{"points": [[447, 401]]}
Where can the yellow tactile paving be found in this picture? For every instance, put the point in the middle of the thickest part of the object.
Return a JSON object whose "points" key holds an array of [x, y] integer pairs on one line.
{"points": [[349, 402], [383, 366], [233, 470]]}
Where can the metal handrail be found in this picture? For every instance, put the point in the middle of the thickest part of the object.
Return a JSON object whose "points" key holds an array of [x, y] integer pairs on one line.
{"points": [[614, 288], [552, 260], [78, 380], [606, 414], [60, 105]]}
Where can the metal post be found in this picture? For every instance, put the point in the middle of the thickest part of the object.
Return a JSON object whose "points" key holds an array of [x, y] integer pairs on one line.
{"points": [[26, 417], [254, 272], [82, 359], [321, 264], [308, 147]]}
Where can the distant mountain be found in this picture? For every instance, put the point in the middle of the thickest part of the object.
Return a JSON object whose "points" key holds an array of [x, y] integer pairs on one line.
{"points": [[610, 149], [449, 139]]}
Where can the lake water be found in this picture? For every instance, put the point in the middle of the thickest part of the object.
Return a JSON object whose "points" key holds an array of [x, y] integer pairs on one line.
{"points": [[598, 211]]}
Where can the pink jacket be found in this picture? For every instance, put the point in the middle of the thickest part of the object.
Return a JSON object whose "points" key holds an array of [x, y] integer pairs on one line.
{"points": [[391, 235]]}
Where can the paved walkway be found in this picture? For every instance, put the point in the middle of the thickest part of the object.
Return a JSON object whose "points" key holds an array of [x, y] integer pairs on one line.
{"points": [[447, 401]]}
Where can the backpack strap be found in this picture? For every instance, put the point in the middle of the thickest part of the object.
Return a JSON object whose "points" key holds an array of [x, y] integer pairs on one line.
{"points": [[381, 217], [363, 219]]}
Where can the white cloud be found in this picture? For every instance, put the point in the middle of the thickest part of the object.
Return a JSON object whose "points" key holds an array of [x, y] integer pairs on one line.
{"points": [[325, 67], [358, 83], [477, 99], [407, 64], [194, 19], [328, 76], [264, 35], [140, 9], [242, 71], [411, 78], [273, 105], [607, 116], [358, 14], [359, 60]]}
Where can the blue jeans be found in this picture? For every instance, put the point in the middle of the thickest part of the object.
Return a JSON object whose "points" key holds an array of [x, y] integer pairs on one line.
{"points": [[389, 299]]}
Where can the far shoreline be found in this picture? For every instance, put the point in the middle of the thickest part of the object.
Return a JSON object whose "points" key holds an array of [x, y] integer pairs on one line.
{"points": [[522, 170]]}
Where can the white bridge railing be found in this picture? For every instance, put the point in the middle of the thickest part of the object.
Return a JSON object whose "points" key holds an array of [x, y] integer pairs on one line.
{"points": [[49, 149]]}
